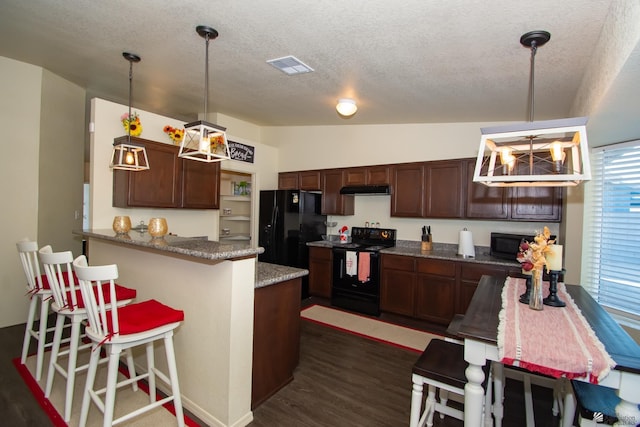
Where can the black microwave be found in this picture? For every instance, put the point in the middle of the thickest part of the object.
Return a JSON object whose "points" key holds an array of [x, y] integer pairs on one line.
{"points": [[507, 246]]}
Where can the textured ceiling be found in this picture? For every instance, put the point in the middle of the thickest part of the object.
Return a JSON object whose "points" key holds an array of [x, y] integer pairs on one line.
{"points": [[411, 61]]}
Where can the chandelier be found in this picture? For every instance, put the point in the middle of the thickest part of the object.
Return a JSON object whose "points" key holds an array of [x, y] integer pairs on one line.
{"points": [[126, 154], [551, 153], [204, 141]]}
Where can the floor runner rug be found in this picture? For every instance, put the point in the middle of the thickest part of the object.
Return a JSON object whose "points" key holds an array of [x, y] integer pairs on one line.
{"points": [[378, 330], [126, 399]]}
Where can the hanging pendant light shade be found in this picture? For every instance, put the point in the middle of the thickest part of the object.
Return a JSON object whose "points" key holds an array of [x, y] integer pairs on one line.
{"points": [[128, 155], [204, 141], [551, 153]]}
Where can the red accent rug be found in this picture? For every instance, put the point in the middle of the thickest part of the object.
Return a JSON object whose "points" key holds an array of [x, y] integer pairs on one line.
{"points": [[126, 398], [367, 327]]}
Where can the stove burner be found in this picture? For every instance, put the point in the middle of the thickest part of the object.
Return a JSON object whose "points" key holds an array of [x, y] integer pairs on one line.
{"points": [[349, 245]]}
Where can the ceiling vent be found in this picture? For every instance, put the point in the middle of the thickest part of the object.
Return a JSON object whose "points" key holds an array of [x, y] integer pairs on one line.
{"points": [[290, 65]]}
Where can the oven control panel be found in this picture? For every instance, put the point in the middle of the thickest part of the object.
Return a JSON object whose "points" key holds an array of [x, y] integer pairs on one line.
{"points": [[374, 236]]}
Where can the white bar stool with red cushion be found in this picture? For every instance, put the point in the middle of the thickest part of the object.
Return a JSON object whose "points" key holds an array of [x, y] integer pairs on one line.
{"points": [[68, 304], [37, 291], [120, 329]]}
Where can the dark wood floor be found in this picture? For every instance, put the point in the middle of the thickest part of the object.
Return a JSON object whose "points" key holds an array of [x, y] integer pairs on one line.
{"points": [[342, 380]]}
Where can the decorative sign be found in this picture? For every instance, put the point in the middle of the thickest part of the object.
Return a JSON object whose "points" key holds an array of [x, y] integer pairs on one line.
{"points": [[242, 152]]}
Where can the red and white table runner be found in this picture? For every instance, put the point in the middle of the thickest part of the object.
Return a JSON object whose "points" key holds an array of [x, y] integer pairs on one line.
{"points": [[556, 341]]}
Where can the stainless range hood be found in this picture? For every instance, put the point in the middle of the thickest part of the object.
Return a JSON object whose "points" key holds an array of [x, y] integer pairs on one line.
{"points": [[365, 189]]}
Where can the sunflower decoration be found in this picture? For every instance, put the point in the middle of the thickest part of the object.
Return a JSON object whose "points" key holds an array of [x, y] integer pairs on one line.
{"points": [[532, 254], [217, 144], [175, 134], [131, 124]]}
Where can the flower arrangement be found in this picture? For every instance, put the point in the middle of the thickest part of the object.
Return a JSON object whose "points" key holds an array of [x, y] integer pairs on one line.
{"points": [[175, 134], [531, 255], [131, 124], [217, 144]]}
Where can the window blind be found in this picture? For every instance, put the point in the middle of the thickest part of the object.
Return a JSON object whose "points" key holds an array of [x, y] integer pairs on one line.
{"points": [[612, 245]]}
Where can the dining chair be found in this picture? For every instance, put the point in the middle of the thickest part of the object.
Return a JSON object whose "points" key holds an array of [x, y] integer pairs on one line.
{"points": [[69, 304], [441, 367], [119, 329], [38, 292], [596, 405]]}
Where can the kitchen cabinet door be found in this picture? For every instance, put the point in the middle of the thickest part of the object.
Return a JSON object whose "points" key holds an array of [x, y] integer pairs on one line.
{"points": [[200, 185], [334, 203], [407, 195], [320, 271], [484, 202], [288, 181], [355, 176], [445, 189], [397, 284], [378, 175], [157, 187], [469, 275], [435, 290], [536, 203], [309, 180]]}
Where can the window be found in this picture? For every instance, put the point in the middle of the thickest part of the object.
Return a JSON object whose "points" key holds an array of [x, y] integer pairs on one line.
{"points": [[612, 246]]}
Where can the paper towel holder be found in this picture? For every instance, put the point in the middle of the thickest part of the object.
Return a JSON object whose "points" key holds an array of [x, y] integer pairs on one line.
{"points": [[466, 248]]}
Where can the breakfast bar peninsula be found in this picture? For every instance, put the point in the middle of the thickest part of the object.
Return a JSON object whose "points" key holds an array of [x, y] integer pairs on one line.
{"points": [[214, 284]]}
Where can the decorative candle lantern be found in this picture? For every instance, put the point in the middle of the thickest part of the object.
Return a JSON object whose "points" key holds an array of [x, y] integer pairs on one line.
{"points": [[158, 227]]}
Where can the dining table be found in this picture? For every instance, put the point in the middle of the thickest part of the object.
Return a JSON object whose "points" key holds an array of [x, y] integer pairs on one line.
{"points": [[479, 329]]}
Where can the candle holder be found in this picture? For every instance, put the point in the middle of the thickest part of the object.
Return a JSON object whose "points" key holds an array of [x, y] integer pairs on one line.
{"points": [[524, 298], [553, 300]]}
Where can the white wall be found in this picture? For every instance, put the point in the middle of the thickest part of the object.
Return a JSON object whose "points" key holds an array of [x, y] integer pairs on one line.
{"points": [[40, 171], [105, 116]]}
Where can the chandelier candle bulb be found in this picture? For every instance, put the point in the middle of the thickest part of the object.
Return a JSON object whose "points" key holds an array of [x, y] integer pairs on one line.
{"points": [[554, 258]]}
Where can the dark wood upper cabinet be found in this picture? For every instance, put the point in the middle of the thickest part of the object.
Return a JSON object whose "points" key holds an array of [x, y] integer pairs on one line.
{"points": [[355, 176], [407, 195], [200, 185], [536, 203], [157, 187], [334, 203], [170, 182], [445, 189], [310, 180], [484, 202], [378, 175], [288, 181]]}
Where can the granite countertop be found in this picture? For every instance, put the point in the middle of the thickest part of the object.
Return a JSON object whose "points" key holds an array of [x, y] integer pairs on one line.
{"points": [[269, 274], [197, 247], [446, 251]]}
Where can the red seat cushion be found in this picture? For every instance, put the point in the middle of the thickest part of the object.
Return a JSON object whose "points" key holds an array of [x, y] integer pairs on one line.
{"points": [[45, 280], [144, 316], [122, 293]]}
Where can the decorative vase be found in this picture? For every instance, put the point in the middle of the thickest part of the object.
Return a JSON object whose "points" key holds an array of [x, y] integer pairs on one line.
{"points": [[535, 296], [158, 227], [121, 224]]}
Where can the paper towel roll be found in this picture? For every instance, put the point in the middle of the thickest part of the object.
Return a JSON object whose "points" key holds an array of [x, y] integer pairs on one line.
{"points": [[465, 244]]}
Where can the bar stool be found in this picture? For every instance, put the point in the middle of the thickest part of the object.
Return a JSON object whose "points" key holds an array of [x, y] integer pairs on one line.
{"points": [[38, 292], [68, 304], [442, 367], [120, 329]]}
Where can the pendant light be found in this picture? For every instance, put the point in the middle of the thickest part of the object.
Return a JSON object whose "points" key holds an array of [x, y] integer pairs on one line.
{"points": [[204, 141], [126, 154], [551, 153]]}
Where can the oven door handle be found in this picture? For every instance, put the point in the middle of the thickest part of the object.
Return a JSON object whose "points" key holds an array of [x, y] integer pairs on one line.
{"points": [[341, 268]]}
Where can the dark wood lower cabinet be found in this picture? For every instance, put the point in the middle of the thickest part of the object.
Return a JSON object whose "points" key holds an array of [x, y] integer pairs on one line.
{"points": [[276, 338], [435, 297], [397, 284], [320, 271]]}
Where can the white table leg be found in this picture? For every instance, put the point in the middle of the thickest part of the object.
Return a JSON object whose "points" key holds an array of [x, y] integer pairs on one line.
{"points": [[473, 395]]}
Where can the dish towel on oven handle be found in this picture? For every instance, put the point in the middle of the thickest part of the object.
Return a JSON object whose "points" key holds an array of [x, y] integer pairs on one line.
{"points": [[364, 270], [352, 263]]}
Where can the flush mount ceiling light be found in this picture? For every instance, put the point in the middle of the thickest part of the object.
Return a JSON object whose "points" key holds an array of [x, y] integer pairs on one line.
{"points": [[346, 107], [551, 153], [126, 154], [204, 141]]}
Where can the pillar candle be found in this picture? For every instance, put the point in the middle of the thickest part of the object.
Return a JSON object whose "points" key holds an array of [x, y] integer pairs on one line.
{"points": [[554, 258]]}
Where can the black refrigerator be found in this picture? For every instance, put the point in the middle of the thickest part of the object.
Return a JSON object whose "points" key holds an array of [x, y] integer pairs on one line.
{"points": [[288, 220]]}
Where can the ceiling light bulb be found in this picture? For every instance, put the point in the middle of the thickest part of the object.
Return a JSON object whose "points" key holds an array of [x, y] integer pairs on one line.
{"points": [[346, 107]]}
